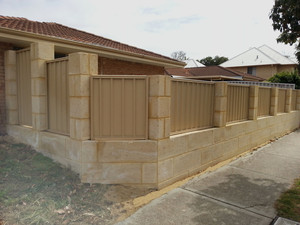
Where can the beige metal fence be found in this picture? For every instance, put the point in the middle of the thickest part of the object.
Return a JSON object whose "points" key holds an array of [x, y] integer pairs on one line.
{"points": [[281, 100], [264, 101], [119, 107], [192, 105], [294, 100], [24, 87], [237, 103], [58, 96]]}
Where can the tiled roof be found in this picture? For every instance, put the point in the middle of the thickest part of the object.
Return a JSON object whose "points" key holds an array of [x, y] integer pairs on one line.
{"points": [[211, 71], [68, 33], [264, 55]]}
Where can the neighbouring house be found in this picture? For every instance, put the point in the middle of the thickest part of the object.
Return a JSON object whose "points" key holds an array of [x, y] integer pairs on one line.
{"points": [[263, 62], [110, 112], [212, 73]]}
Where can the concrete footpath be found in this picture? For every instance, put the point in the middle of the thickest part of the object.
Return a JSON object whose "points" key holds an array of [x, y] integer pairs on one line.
{"points": [[240, 193]]}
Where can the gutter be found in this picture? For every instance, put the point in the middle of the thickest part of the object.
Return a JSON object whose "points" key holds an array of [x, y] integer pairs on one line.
{"points": [[93, 48]]}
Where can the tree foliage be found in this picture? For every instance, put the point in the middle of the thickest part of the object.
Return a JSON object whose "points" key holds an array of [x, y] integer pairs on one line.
{"points": [[287, 77], [179, 55], [209, 61], [286, 19]]}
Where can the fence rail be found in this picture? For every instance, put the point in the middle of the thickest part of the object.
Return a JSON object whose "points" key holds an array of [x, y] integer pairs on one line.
{"points": [[24, 87], [264, 101], [192, 105], [237, 103], [281, 100], [58, 96], [294, 100], [119, 107]]}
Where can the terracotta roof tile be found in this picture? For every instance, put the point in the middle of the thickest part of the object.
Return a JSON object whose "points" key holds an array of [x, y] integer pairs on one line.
{"points": [[68, 33]]}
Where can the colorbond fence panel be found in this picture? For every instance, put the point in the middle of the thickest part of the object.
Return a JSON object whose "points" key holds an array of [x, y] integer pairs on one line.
{"points": [[237, 103], [294, 100], [24, 87], [119, 107], [281, 100], [58, 96], [264, 101], [192, 105]]}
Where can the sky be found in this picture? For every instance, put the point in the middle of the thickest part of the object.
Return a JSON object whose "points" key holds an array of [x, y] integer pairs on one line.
{"points": [[200, 28]]}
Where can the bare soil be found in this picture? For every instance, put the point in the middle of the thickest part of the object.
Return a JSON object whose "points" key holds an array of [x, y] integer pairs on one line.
{"points": [[36, 190]]}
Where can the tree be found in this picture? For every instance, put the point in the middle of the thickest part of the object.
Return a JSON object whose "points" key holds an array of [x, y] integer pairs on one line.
{"points": [[179, 55], [286, 19], [287, 77], [209, 61]]}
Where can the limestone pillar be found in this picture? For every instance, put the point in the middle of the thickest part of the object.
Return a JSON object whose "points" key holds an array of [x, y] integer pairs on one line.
{"points": [[11, 95], [40, 52], [159, 107], [253, 102], [220, 104], [81, 67], [274, 101]]}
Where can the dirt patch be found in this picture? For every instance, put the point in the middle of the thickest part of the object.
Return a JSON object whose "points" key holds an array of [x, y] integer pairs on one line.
{"points": [[36, 190]]}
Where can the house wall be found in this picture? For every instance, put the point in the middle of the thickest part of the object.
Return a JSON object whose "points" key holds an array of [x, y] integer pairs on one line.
{"points": [[3, 48], [118, 67], [266, 71]]}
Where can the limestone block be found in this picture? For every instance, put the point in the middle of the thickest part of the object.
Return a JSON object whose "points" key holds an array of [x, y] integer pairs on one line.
{"points": [[220, 104], [93, 60], [221, 89], [159, 107], [207, 155], [79, 63], [165, 170], [220, 119], [149, 173], [262, 123], [79, 85], [42, 50], [219, 134], [73, 150], [252, 114], [156, 129], [251, 126], [38, 69], [89, 152], [23, 134], [38, 86], [80, 129], [39, 121], [127, 151], [200, 139], [12, 117], [73, 165], [245, 142], [10, 57], [186, 162], [157, 85], [172, 180], [10, 87], [125, 173], [11, 102], [91, 172], [39, 104], [53, 144], [173, 146], [80, 107], [236, 129], [228, 149]]}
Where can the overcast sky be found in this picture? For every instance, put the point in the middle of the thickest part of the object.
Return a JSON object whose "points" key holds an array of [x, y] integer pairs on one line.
{"points": [[198, 27]]}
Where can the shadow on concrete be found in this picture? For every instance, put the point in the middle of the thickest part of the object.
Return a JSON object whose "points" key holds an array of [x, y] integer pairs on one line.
{"points": [[242, 199]]}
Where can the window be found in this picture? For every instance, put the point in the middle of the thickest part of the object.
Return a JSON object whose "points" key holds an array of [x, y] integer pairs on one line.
{"points": [[251, 70]]}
